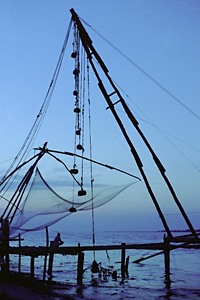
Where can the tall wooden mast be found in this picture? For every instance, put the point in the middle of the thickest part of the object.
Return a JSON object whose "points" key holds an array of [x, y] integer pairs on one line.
{"points": [[90, 50]]}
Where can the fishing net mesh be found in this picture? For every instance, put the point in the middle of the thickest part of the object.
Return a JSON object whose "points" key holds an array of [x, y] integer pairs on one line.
{"points": [[44, 207]]}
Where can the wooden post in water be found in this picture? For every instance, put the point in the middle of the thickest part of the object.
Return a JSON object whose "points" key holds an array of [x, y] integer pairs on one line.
{"points": [[32, 267], [50, 268], [5, 244], [123, 253], [46, 255], [126, 267], [167, 262], [19, 263], [80, 267]]}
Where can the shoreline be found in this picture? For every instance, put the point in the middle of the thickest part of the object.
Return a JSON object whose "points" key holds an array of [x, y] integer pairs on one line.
{"points": [[23, 287]]}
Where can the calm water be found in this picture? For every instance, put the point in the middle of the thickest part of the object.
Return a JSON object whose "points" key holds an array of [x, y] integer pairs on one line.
{"points": [[145, 280]]}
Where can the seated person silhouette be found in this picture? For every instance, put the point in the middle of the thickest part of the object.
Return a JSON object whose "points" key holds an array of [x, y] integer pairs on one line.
{"points": [[57, 241]]}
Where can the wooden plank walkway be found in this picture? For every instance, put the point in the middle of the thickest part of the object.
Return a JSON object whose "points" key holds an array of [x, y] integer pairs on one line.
{"points": [[74, 250], [37, 251], [164, 247]]}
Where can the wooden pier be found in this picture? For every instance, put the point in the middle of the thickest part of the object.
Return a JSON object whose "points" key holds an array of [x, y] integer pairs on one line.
{"points": [[164, 248]]}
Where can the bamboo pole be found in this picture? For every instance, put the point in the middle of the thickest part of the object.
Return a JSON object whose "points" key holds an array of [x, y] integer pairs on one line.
{"points": [[147, 257]]}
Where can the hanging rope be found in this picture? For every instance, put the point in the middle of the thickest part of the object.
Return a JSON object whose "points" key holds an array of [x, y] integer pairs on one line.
{"points": [[79, 93], [156, 82], [82, 103], [19, 192], [24, 150], [91, 169], [75, 55], [76, 93]]}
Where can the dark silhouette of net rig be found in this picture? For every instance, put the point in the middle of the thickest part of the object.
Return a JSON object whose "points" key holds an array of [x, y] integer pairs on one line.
{"points": [[18, 211]]}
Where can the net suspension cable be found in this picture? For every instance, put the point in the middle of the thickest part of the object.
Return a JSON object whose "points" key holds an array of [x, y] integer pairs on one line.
{"points": [[25, 148], [91, 52], [81, 75], [82, 114], [7, 178], [79, 109], [16, 199], [90, 142], [75, 55], [79, 103], [155, 81]]}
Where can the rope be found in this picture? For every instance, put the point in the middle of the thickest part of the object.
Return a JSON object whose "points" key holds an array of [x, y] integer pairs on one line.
{"points": [[23, 152], [76, 49], [18, 194], [75, 88], [83, 106], [161, 131], [145, 73], [74, 179], [91, 170]]}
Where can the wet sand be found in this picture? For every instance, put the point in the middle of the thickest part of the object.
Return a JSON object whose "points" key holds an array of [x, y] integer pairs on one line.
{"points": [[22, 288]]}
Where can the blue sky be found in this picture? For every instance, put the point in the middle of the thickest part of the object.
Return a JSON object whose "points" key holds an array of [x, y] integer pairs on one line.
{"points": [[163, 38]]}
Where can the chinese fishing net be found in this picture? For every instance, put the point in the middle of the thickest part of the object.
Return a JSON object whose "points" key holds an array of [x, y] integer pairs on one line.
{"points": [[44, 207]]}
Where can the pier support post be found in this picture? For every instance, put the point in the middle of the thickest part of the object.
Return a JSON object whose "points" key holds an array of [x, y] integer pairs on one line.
{"points": [[126, 267], [5, 243], [32, 266], [123, 254], [7, 247], [19, 263], [167, 262], [80, 268], [50, 268], [46, 255]]}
